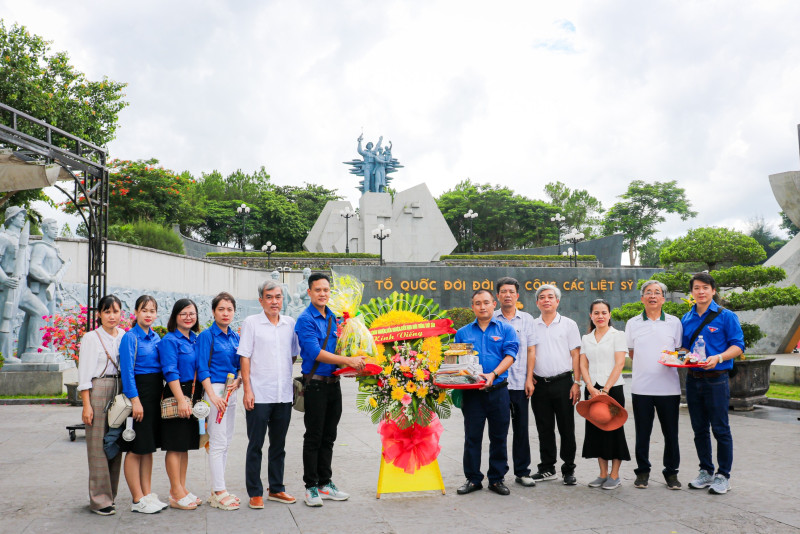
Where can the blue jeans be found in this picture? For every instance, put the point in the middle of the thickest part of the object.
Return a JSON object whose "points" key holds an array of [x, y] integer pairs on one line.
{"points": [[708, 400], [478, 408]]}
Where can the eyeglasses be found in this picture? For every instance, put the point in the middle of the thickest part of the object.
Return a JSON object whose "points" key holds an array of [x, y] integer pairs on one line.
{"points": [[187, 315], [652, 293]]}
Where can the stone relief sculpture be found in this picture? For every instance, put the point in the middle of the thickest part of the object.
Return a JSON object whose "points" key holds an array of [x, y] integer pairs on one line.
{"points": [[302, 290], [377, 164], [287, 297], [45, 272], [14, 291]]}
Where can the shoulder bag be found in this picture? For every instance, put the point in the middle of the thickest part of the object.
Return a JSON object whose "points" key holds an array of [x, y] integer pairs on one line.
{"points": [[121, 407], [169, 406], [299, 383]]}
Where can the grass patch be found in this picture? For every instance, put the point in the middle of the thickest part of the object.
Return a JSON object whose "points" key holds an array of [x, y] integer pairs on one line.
{"points": [[62, 396], [783, 391]]}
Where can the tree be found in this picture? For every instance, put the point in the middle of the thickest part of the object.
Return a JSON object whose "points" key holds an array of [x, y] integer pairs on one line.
{"points": [[649, 252], [505, 220], [44, 85], [788, 225], [713, 246], [643, 208], [762, 232], [580, 209], [143, 190], [310, 201]]}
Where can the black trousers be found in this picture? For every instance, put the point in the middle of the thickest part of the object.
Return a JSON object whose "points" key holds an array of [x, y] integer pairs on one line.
{"points": [[275, 418], [551, 405], [520, 444], [644, 409], [323, 404]]}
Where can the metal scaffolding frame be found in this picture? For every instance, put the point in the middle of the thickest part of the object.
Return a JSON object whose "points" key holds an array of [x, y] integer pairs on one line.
{"points": [[85, 163]]}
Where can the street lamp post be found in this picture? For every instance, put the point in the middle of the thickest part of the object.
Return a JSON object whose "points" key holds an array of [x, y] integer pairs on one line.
{"points": [[244, 211], [268, 249], [471, 215], [381, 233], [558, 219], [347, 213], [573, 237]]}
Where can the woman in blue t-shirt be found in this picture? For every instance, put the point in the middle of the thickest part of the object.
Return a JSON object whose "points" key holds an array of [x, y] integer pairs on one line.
{"points": [[140, 370], [179, 365], [216, 352]]}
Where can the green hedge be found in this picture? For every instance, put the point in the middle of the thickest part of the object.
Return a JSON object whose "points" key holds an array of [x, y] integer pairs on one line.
{"points": [[147, 234], [302, 254], [527, 257]]}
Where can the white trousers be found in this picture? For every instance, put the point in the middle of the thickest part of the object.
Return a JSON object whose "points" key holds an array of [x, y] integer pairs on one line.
{"points": [[220, 437]]}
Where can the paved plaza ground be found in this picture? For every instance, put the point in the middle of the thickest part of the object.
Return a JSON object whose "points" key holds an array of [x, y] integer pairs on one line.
{"points": [[44, 485]]}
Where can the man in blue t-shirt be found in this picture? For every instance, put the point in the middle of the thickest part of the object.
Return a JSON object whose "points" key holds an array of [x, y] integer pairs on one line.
{"points": [[323, 395], [707, 388], [497, 346]]}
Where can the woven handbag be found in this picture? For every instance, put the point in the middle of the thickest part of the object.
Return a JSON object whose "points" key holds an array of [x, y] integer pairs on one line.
{"points": [[169, 407]]}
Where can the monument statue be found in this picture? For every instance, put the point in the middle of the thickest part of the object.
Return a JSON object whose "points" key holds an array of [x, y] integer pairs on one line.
{"points": [[377, 164], [14, 293], [275, 275], [45, 272], [302, 289]]}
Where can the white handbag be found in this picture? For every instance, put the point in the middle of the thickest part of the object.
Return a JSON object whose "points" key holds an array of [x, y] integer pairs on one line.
{"points": [[121, 407]]}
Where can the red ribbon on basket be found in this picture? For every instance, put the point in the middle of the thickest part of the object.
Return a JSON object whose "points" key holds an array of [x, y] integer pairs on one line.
{"points": [[412, 447]]}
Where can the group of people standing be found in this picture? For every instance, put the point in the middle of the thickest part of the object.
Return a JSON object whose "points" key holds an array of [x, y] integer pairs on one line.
{"points": [[545, 361], [542, 361], [194, 366]]}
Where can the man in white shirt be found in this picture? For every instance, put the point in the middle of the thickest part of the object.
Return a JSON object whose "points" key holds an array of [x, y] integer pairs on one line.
{"points": [[655, 388], [522, 322], [556, 374], [267, 348]]}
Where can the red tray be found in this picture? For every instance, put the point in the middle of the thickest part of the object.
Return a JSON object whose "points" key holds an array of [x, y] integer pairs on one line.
{"points": [[370, 369], [684, 365], [477, 385]]}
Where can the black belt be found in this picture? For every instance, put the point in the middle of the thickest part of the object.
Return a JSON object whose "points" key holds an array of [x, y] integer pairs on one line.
{"points": [[323, 379], [108, 376], [495, 387], [548, 379], [705, 374]]}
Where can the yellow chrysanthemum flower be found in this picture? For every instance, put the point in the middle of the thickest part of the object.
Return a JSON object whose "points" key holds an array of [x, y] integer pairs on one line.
{"points": [[422, 392], [405, 369], [387, 370], [398, 393], [411, 387], [442, 396], [419, 374], [393, 382], [373, 402]]}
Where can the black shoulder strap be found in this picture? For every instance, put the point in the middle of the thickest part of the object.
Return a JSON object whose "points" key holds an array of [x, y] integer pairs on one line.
{"points": [[708, 318], [307, 378]]}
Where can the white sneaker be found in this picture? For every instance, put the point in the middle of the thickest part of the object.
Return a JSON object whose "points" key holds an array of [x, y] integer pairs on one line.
{"points": [[330, 491], [312, 497], [153, 498], [145, 506]]}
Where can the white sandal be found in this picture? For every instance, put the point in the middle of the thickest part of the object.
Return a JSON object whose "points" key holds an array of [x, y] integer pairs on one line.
{"points": [[217, 501], [186, 503]]}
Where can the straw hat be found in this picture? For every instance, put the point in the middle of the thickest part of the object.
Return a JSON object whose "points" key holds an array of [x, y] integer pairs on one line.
{"points": [[603, 412]]}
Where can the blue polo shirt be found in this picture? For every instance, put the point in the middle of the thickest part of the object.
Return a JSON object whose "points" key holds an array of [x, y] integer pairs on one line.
{"points": [[178, 358], [493, 344], [722, 332], [143, 346], [311, 328], [224, 359]]}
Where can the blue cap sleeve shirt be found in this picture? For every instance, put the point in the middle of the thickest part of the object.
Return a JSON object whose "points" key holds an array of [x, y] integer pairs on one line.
{"points": [[493, 344], [224, 359], [141, 347], [722, 332], [178, 357], [311, 328]]}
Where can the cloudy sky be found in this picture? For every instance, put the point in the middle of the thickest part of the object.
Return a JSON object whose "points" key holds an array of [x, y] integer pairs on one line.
{"points": [[593, 93]]}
